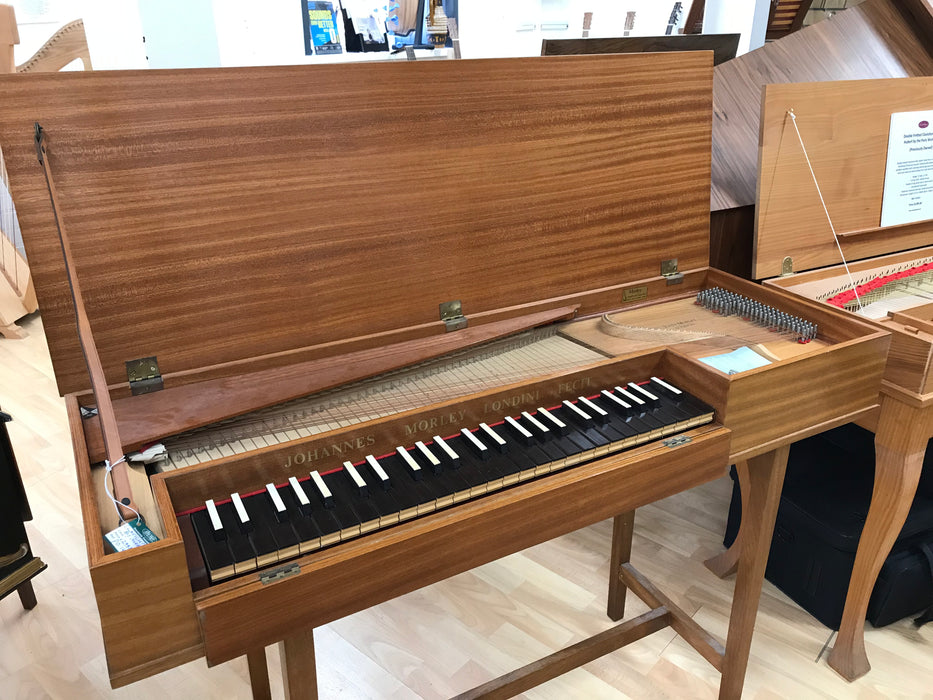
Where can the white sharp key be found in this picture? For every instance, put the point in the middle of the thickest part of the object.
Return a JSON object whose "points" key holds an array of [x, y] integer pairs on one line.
{"points": [[276, 498], [240, 509], [672, 389], [438, 440], [631, 397], [321, 486], [592, 406], [215, 516], [299, 492], [355, 475], [520, 428], [612, 397], [468, 434], [427, 453], [412, 464], [558, 423], [380, 472], [573, 407], [535, 422], [643, 391], [492, 433]]}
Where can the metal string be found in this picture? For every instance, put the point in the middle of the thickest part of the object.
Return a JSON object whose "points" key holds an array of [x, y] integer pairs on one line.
{"points": [[793, 118]]}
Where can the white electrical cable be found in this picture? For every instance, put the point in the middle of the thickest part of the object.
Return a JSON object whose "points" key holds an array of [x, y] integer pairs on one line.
{"points": [[108, 469], [793, 118]]}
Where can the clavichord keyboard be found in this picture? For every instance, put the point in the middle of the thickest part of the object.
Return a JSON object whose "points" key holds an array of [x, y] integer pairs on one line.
{"points": [[241, 533]]}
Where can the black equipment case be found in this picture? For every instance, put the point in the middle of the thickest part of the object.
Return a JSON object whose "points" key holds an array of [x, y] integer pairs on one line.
{"points": [[823, 508]]}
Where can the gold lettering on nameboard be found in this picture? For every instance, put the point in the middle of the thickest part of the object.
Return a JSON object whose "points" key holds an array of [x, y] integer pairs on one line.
{"points": [[332, 450], [454, 418], [500, 407], [574, 387], [635, 293]]}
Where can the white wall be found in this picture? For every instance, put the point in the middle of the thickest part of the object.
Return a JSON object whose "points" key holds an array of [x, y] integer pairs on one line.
{"points": [[269, 32], [738, 17], [490, 28]]}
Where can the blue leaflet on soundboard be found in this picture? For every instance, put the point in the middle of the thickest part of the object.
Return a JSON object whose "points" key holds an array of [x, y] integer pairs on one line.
{"points": [[740, 360]]}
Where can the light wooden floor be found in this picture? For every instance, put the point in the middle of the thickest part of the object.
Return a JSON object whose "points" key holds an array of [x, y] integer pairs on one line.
{"points": [[442, 639]]}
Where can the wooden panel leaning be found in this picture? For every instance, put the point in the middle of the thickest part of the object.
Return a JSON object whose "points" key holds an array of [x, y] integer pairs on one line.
{"points": [[843, 129], [229, 223], [875, 39]]}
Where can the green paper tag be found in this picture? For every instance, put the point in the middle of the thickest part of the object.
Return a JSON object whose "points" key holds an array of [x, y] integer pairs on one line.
{"points": [[129, 535]]}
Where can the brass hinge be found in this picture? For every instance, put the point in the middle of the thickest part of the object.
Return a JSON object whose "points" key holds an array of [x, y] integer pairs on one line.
{"points": [[144, 375], [787, 266], [669, 272], [278, 574], [452, 315]]}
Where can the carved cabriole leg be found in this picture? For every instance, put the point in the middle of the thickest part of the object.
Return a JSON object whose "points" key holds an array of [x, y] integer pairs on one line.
{"points": [[726, 563], [258, 675], [622, 530], [900, 443], [12, 332], [298, 670], [765, 480]]}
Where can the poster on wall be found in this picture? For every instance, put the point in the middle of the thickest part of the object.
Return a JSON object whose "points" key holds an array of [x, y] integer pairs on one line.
{"points": [[320, 25], [908, 175]]}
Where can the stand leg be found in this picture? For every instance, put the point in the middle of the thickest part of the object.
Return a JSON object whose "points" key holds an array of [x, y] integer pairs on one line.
{"points": [[765, 480], [726, 563], [259, 675], [27, 595], [12, 331], [622, 529], [298, 671], [900, 443]]}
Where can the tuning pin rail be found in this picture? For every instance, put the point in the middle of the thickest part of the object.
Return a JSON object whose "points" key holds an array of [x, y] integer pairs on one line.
{"points": [[722, 301]]}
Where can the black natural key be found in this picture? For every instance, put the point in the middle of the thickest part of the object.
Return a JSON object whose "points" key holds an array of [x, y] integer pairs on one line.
{"points": [[380, 496], [477, 443], [446, 482], [572, 414], [552, 421], [259, 534], [217, 557], [241, 549], [344, 515], [356, 481], [346, 495], [426, 457], [263, 507], [517, 432], [322, 519], [659, 386], [644, 394], [301, 518], [475, 472], [408, 483], [320, 488], [491, 437]]}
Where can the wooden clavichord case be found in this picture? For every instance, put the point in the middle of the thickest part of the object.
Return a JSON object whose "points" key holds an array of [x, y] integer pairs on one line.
{"points": [[843, 129], [239, 221]]}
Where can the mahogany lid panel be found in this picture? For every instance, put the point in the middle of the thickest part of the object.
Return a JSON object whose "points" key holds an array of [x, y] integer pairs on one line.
{"points": [[876, 39], [223, 214], [844, 126]]}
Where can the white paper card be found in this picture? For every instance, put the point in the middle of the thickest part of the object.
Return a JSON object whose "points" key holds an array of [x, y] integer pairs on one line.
{"points": [[740, 360], [908, 175]]}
